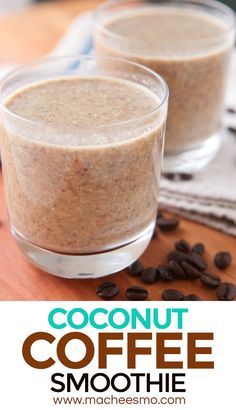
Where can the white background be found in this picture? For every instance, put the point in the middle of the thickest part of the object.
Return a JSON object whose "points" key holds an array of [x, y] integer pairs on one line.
{"points": [[23, 387]]}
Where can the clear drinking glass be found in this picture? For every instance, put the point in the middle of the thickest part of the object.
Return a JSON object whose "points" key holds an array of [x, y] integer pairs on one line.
{"points": [[188, 42], [82, 200]]}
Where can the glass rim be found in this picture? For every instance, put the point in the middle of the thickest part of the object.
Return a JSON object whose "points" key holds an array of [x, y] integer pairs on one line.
{"points": [[81, 57], [214, 4]]}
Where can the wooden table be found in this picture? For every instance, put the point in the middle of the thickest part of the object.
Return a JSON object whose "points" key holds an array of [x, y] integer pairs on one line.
{"points": [[30, 34]]}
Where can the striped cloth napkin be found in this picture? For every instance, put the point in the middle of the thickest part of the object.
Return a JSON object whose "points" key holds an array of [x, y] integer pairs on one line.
{"points": [[210, 197]]}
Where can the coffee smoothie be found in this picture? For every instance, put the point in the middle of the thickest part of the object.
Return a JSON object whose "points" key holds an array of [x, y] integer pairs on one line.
{"points": [[189, 48], [82, 175]]}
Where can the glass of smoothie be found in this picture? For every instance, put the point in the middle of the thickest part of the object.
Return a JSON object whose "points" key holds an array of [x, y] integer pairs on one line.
{"points": [[188, 42], [81, 151]]}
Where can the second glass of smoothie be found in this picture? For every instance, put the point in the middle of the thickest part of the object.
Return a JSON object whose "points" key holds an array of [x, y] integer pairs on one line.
{"points": [[189, 43], [81, 152]]}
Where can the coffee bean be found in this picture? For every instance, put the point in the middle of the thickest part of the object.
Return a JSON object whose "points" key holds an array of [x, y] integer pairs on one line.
{"points": [[149, 275], [165, 273], [107, 290], [197, 261], [211, 280], [136, 293], [226, 291], [198, 248], [185, 177], [222, 260], [190, 270], [165, 224], [177, 270], [232, 130], [172, 294], [177, 256], [231, 110], [192, 297], [136, 268], [169, 175], [182, 246]]}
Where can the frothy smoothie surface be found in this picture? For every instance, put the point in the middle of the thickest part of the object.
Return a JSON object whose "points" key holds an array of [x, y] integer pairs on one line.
{"points": [[87, 189], [163, 31], [83, 102]]}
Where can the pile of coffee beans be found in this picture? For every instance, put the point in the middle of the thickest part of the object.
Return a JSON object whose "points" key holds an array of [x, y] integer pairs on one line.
{"points": [[187, 263], [183, 262]]}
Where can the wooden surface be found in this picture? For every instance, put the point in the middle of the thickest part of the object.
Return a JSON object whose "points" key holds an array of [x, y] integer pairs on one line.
{"points": [[29, 35]]}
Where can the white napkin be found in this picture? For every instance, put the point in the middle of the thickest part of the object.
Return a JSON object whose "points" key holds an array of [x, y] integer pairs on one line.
{"points": [[78, 37], [210, 197]]}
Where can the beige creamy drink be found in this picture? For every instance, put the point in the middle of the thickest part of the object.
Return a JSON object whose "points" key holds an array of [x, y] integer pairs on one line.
{"points": [[189, 49], [87, 180]]}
